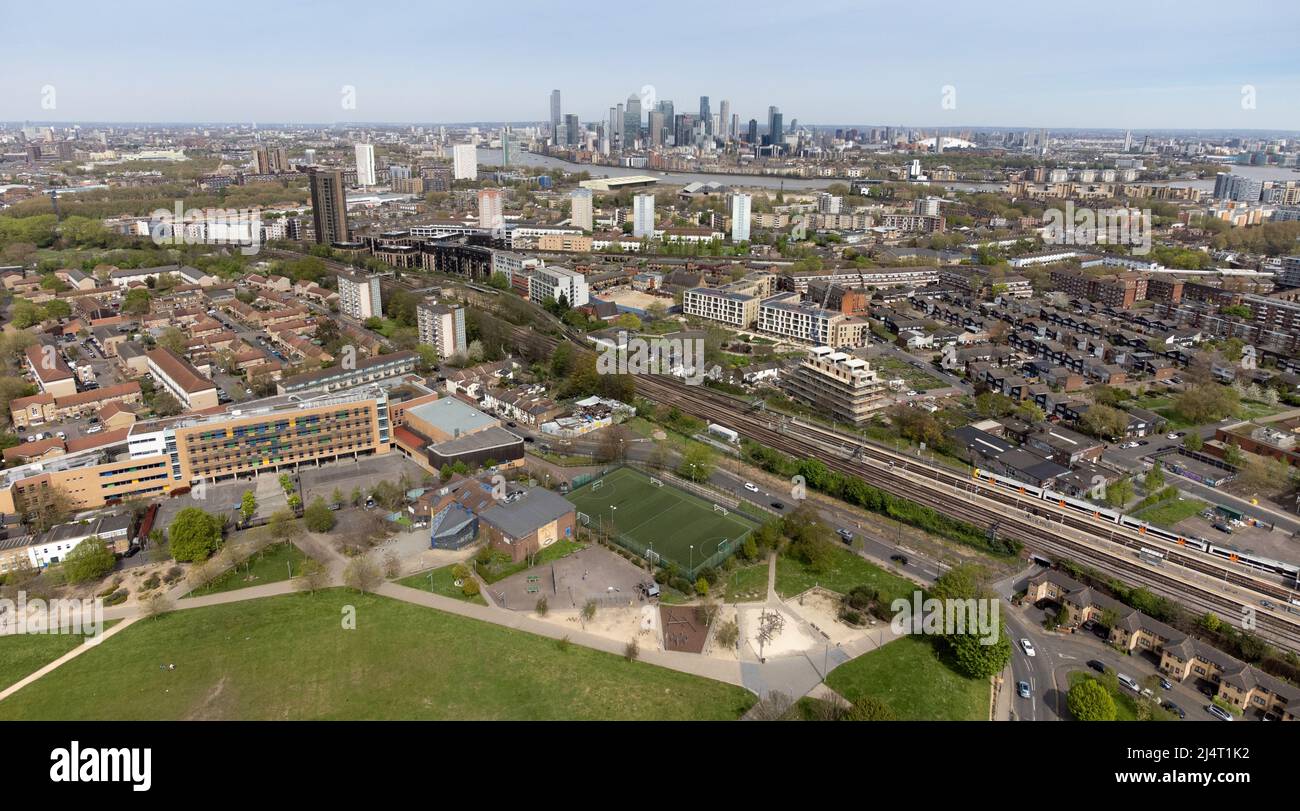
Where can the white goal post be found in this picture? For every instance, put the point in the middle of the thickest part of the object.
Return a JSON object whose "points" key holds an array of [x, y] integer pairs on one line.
{"points": [[718, 508]]}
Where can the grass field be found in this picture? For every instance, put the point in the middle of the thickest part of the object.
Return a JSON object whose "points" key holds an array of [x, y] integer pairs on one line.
{"points": [[1126, 708], [666, 519], [1171, 511], [440, 581], [747, 583], [288, 657], [908, 675], [272, 566], [846, 571], [23, 654]]}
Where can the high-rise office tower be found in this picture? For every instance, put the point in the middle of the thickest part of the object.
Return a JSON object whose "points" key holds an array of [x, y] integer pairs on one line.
{"points": [[666, 107], [656, 128], [643, 215], [572, 131], [615, 124], [631, 121], [309, 155], [775, 129], [753, 131], [740, 217], [505, 145], [365, 164], [724, 120], [735, 126], [555, 115], [491, 204], [580, 205], [705, 115], [329, 207], [621, 121], [1128, 140], [464, 159]]}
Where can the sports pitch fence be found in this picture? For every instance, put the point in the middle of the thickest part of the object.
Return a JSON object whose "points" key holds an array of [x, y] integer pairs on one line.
{"points": [[661, 522]]}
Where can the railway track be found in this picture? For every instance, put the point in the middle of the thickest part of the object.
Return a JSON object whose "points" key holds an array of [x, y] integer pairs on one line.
{"points": [[948, 491]]}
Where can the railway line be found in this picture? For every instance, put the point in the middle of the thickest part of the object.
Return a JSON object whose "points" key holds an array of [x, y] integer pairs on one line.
{"points": [[1206, 585]]}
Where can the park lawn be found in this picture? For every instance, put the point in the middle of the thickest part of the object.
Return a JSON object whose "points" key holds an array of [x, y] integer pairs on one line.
{"points": [[272, 566], [290, 657], [909, 676], [440, 581], [23, 654], [847, 570], [1125, 704], [1169, 512], [500, 568], [746, 583]]}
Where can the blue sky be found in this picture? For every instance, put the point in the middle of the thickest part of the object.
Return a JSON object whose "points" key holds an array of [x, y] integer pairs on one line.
{"points": [[1132, 64]]}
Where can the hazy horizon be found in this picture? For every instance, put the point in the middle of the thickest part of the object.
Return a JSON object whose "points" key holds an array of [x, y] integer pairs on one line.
{"points": [[1156, 66]]}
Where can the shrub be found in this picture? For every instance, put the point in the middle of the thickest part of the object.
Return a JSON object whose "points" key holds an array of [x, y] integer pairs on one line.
{"points": [[470, 587], [631, 651]]}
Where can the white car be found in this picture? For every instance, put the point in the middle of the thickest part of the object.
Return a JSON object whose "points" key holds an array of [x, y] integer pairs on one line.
{"points": [[1027, 647], [751, 487], [911, 392], [1171, 436]]}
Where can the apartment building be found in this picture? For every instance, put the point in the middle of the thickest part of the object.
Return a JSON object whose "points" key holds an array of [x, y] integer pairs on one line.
{"points": [[359, 296], [838, 384], [785, 315], [914, 223], [799, 281], [564, 243], [556, 282], [1181, 656], [360, 373], [179, 377], [48, 369], [442, 326], [1121, 291], [736, 309]]}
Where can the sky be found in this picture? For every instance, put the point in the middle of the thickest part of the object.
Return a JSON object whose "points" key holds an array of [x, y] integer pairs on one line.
{"points": [[1136, 64]]}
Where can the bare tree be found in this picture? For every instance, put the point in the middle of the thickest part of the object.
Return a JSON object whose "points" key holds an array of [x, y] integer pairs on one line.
{"points": [[362, 575], [155, 606], [392, 565], [314, 576], [775, 706]]}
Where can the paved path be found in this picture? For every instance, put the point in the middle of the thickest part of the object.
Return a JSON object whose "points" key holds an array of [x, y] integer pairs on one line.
{"points": [[67, 657]]}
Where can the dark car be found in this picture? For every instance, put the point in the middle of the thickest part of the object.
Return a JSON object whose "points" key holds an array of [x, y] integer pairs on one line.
{"points": [[776, 505], [901, 560], [528, 439], [1097, 666], [845, 535], [512, 425], [1175, 709]]}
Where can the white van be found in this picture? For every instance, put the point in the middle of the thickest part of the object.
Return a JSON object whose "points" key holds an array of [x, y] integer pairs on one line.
{"points": [[1130, 683]]}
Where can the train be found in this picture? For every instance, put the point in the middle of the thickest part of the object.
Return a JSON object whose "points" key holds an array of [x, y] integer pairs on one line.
{"points": [[1288, 570]]}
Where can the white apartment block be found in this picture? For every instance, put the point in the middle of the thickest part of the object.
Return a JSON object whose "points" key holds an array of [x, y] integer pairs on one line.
{"points": [[511, 264], [581, 211], [365, 164], [740, 205], [724, 306], [359, 296], [464, 160], [643, 216], [787, 316], [554, 282], [442, 326]]}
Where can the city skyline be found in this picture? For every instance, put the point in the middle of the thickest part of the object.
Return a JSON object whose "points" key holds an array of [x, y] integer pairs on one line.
{"points": [[1032, 69]]}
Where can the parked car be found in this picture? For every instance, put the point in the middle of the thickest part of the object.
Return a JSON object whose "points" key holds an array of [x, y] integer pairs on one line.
{"points": [[1219, 712], [1027, 647], [1172, 435], [1175, 709], [1165, 685], [776, 505], [1128, 681], [845, 535], [1022, 687], [1097, 666]]}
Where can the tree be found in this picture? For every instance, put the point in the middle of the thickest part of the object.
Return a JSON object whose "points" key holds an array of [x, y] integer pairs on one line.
{"points": [[1089, 701], [392, 565], [248, 506], [1193, 442], [172, 338], [977, 660], [362, 575], [155, 606], [870, 708], [89, 560], [136, 302], [696, 464], [166, 405], [312, 576], [588, 611], [318, 516], [631, 651], [194, 535], [1105, 422], [1119, 493], [1155, 479]]}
